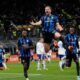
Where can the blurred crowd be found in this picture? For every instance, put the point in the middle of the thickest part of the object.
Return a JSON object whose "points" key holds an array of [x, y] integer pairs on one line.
{"points": [[22, 12]]}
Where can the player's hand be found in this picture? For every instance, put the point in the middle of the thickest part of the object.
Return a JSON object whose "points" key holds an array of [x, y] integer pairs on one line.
{"points": [[32, 23], [59, 27], [70, 48], [25, 46]]}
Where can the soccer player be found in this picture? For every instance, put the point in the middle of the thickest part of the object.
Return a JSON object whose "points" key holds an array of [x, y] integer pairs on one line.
{"points": [[71, 40], [49, 24], [41, 54], [24, 45], [2, 63], [79, 49], [49, 54], [61, 54]]}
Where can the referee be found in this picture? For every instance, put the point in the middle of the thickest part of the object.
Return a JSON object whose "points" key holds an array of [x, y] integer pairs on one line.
{"points": [[25, 45]]}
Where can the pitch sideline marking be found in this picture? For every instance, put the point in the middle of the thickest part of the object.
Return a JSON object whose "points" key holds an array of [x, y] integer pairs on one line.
{"points": [[18, 75]]}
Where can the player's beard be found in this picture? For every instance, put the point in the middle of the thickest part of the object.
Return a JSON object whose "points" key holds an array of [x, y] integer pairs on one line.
{"points": [[24, 36], [47, 13]]}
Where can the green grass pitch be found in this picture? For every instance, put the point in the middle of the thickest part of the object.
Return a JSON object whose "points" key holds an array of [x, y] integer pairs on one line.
{"points": [[15, 72]]}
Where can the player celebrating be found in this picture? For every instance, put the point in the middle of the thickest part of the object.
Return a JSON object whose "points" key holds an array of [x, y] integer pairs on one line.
{"points": [[79, 49], [24, 45], [49, 24], [2, 63], [71, 40], [61, 54], [41, 54], [1, 58]]}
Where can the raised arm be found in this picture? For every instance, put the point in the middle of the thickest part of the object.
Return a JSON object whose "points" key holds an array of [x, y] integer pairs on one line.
{"points": [[36, 23], [59, 27]]}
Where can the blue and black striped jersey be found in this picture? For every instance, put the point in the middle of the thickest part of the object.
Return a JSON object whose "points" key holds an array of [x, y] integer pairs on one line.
{"points": [[1, 55], [27, 41], [49, 23]]}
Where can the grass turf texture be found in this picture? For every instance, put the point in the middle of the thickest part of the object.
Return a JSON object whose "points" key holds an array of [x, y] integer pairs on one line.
{"points": [[15, 72]]}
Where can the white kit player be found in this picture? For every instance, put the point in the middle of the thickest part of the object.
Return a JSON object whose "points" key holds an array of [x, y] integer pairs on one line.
{"points": [[49, 55], [41, 54], [61, 54]]}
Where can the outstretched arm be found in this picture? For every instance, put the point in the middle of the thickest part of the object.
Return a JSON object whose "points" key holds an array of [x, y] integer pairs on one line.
{"points": [[36, 23]]}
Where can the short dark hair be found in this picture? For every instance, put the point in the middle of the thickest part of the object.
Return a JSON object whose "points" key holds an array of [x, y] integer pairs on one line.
{"points": [[24, 30], [48, 6], [72, 29]]}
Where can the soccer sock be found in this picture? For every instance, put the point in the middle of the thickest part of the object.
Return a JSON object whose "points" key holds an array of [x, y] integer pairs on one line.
{"points": [[4, 64], [77, 67], [79, 59], [49, 59], [60, 64], [25, 70], [78, 77], [63, 63], [38, 65], [44, 65]]}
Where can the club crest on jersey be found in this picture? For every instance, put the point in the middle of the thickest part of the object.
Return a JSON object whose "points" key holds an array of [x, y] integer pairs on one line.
{"points": [[27, 41]]}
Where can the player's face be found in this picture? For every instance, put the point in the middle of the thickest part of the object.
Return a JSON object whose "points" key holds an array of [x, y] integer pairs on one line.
{"points": [[47, 10], [24, 33], [71, 31]]}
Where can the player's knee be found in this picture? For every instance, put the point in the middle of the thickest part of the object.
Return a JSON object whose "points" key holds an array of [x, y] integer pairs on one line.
{"points": [[47, 47], [27, 67], [67, 60], [68, 64], [76, 61]]}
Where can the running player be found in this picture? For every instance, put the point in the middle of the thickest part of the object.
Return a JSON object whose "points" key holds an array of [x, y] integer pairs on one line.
{"points": [[49, 24], [2, 63], [71, 40], [25, 45], [79, 49], [41, 54]]}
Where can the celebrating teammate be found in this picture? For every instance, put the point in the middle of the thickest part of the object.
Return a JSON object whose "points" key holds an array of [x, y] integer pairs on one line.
{"points": [[24, 45], [2, 63], [71, 40], [79, 49], [50, 24]]}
